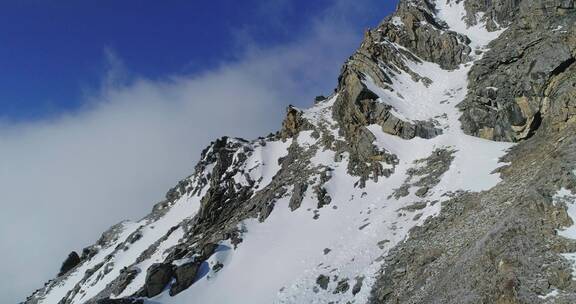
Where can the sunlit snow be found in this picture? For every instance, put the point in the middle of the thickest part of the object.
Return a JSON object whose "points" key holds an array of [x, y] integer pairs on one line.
{"points": [[280, 259]]}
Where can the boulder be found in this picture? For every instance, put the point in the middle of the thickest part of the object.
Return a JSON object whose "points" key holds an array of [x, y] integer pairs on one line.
{"points": [[157, 278], [71, 261], [323, 281], [319, 98], [185, 275]]}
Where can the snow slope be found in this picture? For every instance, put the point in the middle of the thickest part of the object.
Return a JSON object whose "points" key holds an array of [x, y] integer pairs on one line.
{"points": [[280, 260]]}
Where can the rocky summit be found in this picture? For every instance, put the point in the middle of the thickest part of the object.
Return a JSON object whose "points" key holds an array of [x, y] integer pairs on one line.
{"points": [[441, 170]]}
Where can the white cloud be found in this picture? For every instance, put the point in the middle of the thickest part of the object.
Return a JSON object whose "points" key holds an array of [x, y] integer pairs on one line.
{"points": [[64, 181]]}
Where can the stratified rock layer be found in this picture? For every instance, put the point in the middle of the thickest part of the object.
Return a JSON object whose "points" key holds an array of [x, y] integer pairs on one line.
{"points": [[525, 77]]}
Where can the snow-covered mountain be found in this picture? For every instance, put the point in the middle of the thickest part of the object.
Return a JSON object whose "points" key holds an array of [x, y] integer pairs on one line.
{"points": [[440, 171]]}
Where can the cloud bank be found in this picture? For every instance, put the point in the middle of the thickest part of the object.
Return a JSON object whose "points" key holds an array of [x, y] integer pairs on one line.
{"points": [[65, 180]]}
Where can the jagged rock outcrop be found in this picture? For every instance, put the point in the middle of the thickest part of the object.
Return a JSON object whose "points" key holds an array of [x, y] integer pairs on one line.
{"points": [[293, 123], [184, 275], [71, 261], [516, 84], [157, 278], [496, 13], [415, 27]]}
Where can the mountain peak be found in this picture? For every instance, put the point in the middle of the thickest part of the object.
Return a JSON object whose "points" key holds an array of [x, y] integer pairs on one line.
{"points": [[439, 171]]}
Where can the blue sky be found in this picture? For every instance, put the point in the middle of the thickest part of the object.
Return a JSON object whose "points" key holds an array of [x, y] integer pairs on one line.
{"points": [[104, 105], [53, 52]]}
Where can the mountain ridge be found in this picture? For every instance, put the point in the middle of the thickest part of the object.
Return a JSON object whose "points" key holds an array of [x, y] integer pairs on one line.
{"points": [[351, 200]]}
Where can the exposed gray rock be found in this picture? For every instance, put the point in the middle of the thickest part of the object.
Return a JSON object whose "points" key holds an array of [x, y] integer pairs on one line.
{"points": [[71, 261], [415, 206], [294, 123], [522, 80], [358, 285], [500, 246], [297, 196], [423, 35], [342, 286], [217, 267], [426, 173], [185, 275], [157, 278], [323, 281], [124, 279]]}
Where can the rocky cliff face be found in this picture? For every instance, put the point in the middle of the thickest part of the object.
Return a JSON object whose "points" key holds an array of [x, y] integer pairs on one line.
{"points": [[402, 187], [513, 86]]}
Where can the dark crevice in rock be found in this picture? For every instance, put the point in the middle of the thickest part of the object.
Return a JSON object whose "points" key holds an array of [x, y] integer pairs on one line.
{"points": [[535, 125], [563, 67]]}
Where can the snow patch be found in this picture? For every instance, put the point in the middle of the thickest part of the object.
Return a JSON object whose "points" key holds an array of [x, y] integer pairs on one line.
{"points": [[397, 21], [554, 293], [262, 164], [565, 196], [454, 15]]}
